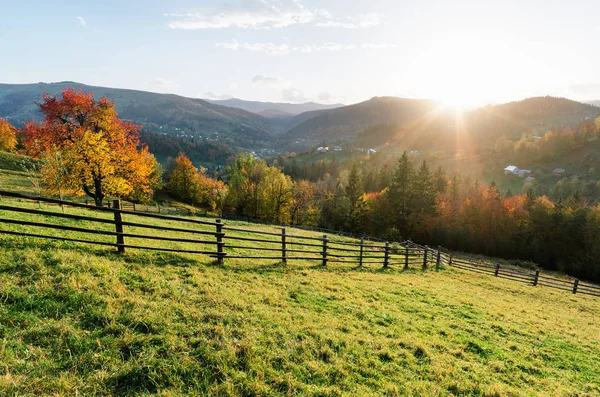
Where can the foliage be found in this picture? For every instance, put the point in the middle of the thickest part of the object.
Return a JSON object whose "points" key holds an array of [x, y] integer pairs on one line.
{"points": [[8, 136], [193, 186], [88, 149]]}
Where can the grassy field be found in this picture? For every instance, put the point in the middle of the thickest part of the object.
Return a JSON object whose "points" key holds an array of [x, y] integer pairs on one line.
{"points": [[82, 320]]}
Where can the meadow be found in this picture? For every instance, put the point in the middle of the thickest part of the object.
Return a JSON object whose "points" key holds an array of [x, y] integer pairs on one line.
{"points": [[82, 320]]}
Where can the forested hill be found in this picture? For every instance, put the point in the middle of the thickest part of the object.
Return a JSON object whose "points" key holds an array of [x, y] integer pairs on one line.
{"points": [[344, 123], [426, 119], [167, 113]]}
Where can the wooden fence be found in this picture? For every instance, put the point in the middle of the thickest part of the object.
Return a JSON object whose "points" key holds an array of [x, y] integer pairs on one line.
{"points": [[121, 228]]}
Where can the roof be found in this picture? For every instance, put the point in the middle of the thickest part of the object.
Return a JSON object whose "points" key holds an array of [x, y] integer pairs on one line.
{"points": [[530, 178], [511, 168], [559, 170]]}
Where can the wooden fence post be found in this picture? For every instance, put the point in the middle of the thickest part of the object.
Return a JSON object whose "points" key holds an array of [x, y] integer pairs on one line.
{"points": [[386, 255], [360, 258], [283, 246], [437, 261], [575, 285], [134, 206], [425, 258], [450, 260], [536, 278], [497, 270], [405, 257], [119, 226], [219, 236], [324, 253]]}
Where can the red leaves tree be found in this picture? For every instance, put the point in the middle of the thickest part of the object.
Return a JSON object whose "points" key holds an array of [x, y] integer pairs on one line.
{"points": [[89, 149]]}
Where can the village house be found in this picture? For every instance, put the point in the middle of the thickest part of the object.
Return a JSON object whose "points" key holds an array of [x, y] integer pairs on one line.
{"points": [[322, 149], [511, 169], [529, 179], [371, 151], [337, 148], [522, 173], [558, 171]]}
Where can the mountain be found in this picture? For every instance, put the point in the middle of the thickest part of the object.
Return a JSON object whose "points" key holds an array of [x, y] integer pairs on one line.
{"points": [[343, 123], [594, 103], [273, 109], [166, 113], [401, 118]]}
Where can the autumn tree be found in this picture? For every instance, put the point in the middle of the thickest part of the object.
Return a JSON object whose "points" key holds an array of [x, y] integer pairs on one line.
{"points": [[99, 154], [8, 136]]}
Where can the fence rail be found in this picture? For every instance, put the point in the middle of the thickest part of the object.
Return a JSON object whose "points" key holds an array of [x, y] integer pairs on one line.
{"points": [[129, 229]]}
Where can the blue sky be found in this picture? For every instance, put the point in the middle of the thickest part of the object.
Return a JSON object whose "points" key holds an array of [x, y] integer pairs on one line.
{"points": [[468, 52]]}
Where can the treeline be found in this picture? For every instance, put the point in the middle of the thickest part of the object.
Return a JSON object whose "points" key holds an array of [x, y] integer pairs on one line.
{"points": [[426, 206], [551, 145]]}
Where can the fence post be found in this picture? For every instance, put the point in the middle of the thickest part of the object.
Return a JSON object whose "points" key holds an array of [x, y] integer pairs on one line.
{"points": [[425, 258], [575, 285], [405, 257], [437, 261], [386, 256], [119, 226], [283, 246], [219, 236], [134, 206], [324, 253], [536, 277], [450, 260], [497, 270], [360, 258]]}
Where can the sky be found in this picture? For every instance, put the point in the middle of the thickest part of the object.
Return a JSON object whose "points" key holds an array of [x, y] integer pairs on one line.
{"points": [[463, 52]]}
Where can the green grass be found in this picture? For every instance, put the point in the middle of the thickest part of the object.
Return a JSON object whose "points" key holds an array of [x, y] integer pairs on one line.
{"points": [[82, 320]]}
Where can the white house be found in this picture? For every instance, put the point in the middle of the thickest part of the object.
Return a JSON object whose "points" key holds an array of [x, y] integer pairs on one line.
{"points": [[323, 149], [337, 148], [511, 169], [371, 151]]}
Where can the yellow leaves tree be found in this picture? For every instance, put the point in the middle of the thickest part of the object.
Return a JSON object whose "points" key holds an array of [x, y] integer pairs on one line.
{"points": [[8, 136], [89, 150], [193, 186]]}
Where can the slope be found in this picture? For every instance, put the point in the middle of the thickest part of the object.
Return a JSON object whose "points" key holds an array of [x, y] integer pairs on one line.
{"points": [[167, 113], [77, 320]]}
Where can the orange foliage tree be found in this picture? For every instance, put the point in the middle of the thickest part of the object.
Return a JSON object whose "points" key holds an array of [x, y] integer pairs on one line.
{"points": [[8, 136], [91, 150]]}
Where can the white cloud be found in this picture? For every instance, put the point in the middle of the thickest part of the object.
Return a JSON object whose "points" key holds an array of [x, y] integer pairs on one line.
{"points": [[279, 49], [362, 21], [82, 21], [253, 14], [264, 14], [271, 81], [212, 95], [160, 82], [269, 48], [294, 95]]}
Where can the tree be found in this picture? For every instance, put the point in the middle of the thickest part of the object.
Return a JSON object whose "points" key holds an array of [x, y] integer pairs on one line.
{"points": [[440, 181], [400, 188], [354, 193], [424, 189], [183, 181], [8, 136], [99, 154], [302, 208]]}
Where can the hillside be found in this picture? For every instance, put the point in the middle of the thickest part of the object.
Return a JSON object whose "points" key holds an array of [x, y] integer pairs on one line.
{"points": [[81, 321], [170, 114], [425, 121], [344, 123], [273, 109]]}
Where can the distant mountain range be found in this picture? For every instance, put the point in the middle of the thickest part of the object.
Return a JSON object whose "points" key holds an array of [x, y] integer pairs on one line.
{"points": [[274, 109], [171, 114], [427, 120], [238, 124], [595, 103]]}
